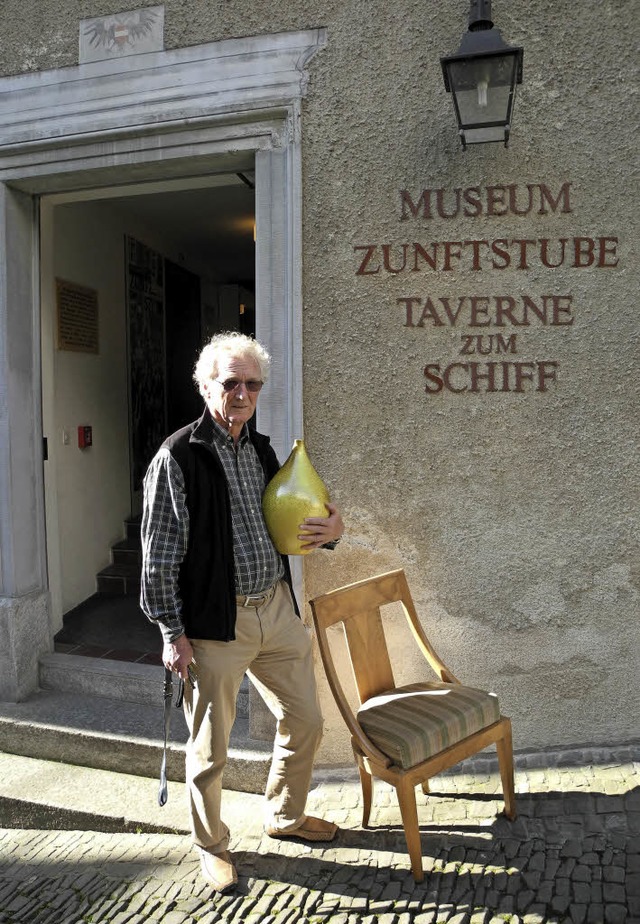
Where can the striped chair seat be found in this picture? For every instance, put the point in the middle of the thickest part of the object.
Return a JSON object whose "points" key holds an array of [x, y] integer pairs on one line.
{"points": [[412, 723]]}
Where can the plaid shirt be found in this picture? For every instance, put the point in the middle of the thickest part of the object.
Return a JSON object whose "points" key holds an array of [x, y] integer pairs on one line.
{"points": [[258, 564], [165, 530]]}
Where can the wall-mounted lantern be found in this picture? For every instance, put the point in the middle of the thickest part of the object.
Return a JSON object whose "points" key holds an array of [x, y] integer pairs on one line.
{"points": [[481, 77]]}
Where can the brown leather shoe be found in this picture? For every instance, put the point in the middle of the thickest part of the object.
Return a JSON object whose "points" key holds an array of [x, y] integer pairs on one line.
{"points": [[218, 870], [311, 829]]}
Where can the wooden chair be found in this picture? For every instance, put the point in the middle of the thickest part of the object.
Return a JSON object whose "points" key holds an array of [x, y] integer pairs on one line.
{"points": [[405, 735]]}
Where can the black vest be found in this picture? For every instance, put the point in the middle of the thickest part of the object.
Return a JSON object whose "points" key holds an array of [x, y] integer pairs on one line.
{"points": [[207, 574]]}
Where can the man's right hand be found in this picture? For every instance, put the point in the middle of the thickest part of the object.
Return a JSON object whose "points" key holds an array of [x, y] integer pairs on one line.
{"points": [[178, 655]]}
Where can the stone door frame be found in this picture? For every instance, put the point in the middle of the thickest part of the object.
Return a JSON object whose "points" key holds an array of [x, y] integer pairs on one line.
{"points": [[180, 113]]}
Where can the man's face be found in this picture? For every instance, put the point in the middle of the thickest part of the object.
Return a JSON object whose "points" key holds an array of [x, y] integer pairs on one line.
{"points": [[233, 407]]}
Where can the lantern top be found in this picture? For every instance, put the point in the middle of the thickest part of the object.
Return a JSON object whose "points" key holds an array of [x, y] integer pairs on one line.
{"points": [[480, 15], [482, 76], [481, 43]]}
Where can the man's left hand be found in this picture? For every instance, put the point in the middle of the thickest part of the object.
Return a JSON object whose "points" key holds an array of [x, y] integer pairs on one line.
{"points": [[320, 530]]}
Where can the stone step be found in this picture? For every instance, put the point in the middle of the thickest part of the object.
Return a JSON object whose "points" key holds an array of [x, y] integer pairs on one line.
{"points": [[36, 793], [117, 680], [119, 579], [132, 528], [109, 734], [127, 553], [44, 794]]}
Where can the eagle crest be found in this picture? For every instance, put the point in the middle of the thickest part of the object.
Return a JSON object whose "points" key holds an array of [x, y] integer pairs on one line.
{"points": [[115, 33]]}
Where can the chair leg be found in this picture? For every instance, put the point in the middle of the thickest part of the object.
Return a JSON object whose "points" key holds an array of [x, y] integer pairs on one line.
{"points": [[366, 780], [409, 811], [425, 787], [504, 748]]}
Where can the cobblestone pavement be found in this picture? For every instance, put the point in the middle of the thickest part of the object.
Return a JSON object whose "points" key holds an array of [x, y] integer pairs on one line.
{"points": [[573, 855]]}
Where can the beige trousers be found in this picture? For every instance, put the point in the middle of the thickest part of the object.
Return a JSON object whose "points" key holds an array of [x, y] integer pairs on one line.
{"points": [[274, 648]]}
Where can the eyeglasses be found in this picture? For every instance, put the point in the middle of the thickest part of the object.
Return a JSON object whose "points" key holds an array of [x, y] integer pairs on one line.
{"points": [[229, 385]]}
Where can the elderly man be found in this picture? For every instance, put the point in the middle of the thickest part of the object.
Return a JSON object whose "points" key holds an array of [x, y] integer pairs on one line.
{"points": [[222, 597]]}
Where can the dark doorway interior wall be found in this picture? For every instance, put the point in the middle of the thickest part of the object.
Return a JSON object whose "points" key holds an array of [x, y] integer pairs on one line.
{"points": [[184, 340]]}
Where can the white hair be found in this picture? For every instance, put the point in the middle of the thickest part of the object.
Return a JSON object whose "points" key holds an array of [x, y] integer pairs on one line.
{"points": [[230, 343]]}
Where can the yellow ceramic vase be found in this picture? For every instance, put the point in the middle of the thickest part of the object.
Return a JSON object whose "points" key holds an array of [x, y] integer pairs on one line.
{"points": [[294, 493]]}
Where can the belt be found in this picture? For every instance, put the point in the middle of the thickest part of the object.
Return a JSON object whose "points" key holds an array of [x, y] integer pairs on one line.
{"points": [[256, 599]]}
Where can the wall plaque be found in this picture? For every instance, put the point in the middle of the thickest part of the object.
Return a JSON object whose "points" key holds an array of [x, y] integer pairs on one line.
{"points": [[130, 33], [77, 317]]}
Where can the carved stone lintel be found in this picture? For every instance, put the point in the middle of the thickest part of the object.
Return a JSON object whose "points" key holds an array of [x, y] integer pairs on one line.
{"points": [[187, 86]]}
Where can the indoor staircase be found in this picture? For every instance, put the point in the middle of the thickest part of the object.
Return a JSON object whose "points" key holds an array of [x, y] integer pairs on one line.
{"points": [[122, 576]]}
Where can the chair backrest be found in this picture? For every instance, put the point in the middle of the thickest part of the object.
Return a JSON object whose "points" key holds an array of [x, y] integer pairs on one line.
{"points": [[357, 606]]}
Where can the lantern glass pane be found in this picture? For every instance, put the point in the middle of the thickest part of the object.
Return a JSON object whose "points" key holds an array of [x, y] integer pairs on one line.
{"points": [[483, 134], [495, 107], [482, 87]]}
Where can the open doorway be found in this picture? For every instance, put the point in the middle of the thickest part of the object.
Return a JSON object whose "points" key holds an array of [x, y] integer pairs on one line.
{"points": [[225, 106], [165, 265]]}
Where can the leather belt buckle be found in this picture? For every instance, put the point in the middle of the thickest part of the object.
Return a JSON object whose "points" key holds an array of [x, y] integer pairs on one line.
{"points": [[256, 600]]}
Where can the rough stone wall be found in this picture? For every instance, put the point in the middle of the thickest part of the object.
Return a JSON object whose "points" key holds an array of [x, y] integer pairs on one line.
{"points": [[513, 512]]}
